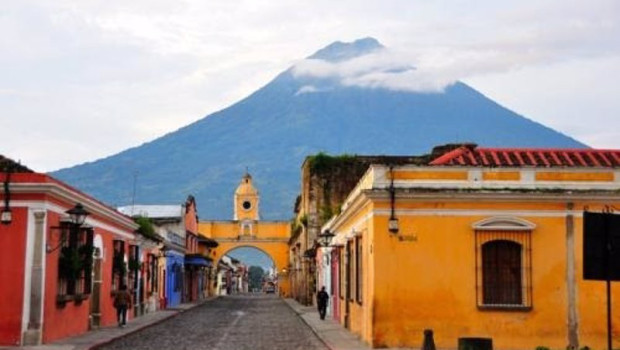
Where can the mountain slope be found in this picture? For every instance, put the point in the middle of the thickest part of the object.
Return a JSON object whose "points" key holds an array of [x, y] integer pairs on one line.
{"points": [[273, 129]]}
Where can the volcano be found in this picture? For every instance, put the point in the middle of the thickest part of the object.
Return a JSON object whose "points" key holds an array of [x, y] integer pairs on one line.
{"points": [[299, 113]]}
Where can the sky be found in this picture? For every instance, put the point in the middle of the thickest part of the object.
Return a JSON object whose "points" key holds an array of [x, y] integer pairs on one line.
{"points": [[252, 257], [81, 80]]}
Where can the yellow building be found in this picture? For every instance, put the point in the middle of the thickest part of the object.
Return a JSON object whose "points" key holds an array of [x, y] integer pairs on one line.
{"points": [[247, 230], [474, 243]]}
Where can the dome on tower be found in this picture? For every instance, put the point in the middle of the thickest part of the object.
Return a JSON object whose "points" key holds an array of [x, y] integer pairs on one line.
{"points": [[246, 187]]}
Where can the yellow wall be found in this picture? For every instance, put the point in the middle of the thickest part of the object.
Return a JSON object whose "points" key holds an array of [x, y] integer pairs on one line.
{"points": [[359, 224], [424, 277]]}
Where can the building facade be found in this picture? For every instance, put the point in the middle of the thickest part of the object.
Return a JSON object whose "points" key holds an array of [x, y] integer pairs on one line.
{"points": [[169, 222], [57, 272], [474, 242]]}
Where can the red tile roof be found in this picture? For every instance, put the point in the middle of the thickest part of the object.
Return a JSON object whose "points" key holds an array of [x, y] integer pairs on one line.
{"points": [[470, 155]]}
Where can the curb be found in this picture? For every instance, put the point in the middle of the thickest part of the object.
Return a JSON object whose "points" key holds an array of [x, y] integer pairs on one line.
{"points": [[133, 331], [177, 312]]}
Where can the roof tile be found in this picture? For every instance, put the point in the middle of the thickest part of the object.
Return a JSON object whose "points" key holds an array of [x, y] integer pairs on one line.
{"points": [[542, 157]]}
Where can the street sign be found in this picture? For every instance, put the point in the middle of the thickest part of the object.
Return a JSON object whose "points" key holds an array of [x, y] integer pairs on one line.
{"points": [[601, 253], [601, 245]]}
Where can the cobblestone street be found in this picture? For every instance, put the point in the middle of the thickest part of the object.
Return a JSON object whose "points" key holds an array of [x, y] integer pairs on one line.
{"points": [[227, 323]]}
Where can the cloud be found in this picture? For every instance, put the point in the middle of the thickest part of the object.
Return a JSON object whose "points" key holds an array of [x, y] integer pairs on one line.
{"points": [[468, 43], [408, 71], [432, 69], [85, 79]]}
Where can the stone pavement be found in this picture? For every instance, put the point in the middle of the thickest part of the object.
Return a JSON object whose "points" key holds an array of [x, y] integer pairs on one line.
{"points": [[331, 333], [334, 335], [236, 322]]}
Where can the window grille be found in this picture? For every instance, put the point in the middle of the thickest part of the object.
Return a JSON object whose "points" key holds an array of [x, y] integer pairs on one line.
{"points": [[75, 260], [503, 269], [86, 246], [153, 272], [134, 271], [118, 264]]}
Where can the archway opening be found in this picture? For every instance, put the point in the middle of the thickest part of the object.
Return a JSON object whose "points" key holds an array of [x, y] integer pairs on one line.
{"points": [[244, 270]]}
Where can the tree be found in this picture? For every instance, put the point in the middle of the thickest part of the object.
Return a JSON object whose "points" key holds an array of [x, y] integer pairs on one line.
{"points": [[255, 276]]}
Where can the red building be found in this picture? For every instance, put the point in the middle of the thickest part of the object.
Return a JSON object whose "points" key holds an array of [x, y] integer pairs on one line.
{"points": [[58, 274], [197, 262]]}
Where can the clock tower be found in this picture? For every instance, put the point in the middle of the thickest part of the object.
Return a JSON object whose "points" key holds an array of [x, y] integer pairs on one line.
{"points": [[246, 200]]}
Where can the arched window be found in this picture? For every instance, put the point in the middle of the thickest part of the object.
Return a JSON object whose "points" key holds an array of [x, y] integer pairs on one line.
{"points": [[503, 263]]}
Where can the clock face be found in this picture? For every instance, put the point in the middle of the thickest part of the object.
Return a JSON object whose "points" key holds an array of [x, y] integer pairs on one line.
{"points": [[246, 205]]}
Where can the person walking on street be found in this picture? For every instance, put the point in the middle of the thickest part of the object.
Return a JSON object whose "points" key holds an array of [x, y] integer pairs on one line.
{"points": [[122, 301], [322, 299]]}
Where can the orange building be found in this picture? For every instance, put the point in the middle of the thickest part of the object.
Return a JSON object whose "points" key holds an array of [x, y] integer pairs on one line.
{"points": [[476, 242], [247, 230], [57, 273]]}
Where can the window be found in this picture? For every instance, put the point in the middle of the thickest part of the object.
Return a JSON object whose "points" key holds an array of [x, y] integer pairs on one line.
{"points": [[358, 269], [118, 264], [134, 267], [75, 262], [501, 273], [153, 272], [246, 229], [503, 263]]}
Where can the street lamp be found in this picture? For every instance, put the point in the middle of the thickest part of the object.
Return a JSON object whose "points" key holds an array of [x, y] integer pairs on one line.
{"points": [[325, 238], [393, 221], [77, 216], [309, 254]]}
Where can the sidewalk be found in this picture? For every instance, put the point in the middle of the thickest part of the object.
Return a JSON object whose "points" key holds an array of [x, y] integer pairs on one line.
{"points": [[334, 335], [104, 335]]}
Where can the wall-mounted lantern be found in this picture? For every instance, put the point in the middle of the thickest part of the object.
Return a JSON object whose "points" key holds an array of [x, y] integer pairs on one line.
{"points": [[78, 214], [325, 238], [77, 217], [393, 221]]}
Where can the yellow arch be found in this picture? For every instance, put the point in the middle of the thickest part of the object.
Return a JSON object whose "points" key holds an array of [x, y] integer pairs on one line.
{"points": [[270, 237]]}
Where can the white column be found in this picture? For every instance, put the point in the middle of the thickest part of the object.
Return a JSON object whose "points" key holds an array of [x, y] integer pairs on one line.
{"points": [[35, 274]]}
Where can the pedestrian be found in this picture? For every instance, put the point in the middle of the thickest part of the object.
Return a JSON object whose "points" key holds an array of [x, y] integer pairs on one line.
{"points": [[122, 301], [322, 299]]}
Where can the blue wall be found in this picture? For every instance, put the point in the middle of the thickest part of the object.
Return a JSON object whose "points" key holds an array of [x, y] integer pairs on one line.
{"points": [[174, 278]]}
